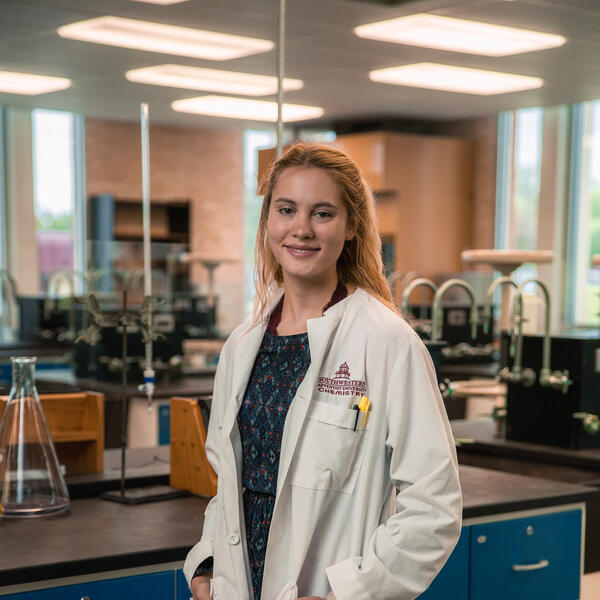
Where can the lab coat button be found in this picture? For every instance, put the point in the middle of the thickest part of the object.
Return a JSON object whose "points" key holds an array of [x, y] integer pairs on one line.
{"points": [[234, 539]]}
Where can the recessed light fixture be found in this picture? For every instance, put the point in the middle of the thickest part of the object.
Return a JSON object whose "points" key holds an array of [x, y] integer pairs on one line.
{"points": [[163, 2], [455, 79], [458, 35], [212, 80], [243, 108], [29, 84], [167, 39]]}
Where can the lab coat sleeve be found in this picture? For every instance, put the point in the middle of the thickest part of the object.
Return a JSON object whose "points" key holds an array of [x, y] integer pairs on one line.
{"points": [[404, 555], [205, 547]]}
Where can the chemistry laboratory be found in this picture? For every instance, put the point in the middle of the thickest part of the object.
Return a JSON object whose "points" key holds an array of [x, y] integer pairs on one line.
{"points": [[300, 299]]}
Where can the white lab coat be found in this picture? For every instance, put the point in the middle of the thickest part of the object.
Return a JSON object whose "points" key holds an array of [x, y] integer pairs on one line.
{"points": [[332, 527]]}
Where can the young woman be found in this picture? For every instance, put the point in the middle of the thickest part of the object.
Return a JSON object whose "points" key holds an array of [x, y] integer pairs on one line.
{"points": [[325, 408]]}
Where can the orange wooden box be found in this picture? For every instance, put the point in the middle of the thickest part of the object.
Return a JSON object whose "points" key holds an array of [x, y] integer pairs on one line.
{"points": [[76, 425]]}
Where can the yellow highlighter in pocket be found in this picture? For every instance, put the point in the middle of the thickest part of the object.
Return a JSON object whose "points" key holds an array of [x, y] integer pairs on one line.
{"points": [[364, 406]]}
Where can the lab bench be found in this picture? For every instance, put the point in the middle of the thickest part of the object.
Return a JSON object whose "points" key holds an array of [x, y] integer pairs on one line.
{"points": [[105, 550]]}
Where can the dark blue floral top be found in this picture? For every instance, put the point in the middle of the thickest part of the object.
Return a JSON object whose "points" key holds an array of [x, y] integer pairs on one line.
{"points": [[279, 369]]}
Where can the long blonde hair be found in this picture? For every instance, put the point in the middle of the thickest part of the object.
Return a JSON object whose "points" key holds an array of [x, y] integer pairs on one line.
{"points": [[360, 262]]}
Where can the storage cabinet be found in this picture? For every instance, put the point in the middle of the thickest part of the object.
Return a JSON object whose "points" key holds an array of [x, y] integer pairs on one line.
{"points": [[520, 559], [537, 557], [155, 586]]}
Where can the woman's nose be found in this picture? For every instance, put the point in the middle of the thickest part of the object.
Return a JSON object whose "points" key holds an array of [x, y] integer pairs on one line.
{"points": [[302, 227]]}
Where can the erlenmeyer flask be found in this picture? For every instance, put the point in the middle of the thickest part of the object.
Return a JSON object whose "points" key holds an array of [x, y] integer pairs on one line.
{"points": [[31, 482]]}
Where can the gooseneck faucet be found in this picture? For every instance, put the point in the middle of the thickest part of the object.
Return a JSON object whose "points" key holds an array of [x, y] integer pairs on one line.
{"points": [[547, 378], [437, 313], [68, 276], [487, 309], [415, 283]]}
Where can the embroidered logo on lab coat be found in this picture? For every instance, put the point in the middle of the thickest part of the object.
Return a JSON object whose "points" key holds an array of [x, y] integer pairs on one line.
{"points": [[342, 384]]}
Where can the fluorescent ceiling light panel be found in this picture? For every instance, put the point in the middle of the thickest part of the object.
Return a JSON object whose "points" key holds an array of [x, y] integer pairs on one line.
{"points": [[458, 35], [212, 80], [243, 108], [455, 79], [163, 2], [167, 39], [29, 84]]}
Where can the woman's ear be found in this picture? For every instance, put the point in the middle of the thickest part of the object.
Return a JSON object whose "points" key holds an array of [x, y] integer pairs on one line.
{"points": [[350, 231]]}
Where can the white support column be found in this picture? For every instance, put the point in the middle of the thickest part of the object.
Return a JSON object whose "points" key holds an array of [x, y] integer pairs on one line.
{"points": [[21, 228], [3, 226], [552, 207]]}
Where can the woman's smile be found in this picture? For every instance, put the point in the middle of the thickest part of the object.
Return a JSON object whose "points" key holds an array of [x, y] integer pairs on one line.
{"points": [[301, 251]]}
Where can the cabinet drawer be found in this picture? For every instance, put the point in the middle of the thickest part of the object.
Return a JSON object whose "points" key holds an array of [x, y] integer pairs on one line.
{"points": [[536, 557], [155, 586], [454, 575]]}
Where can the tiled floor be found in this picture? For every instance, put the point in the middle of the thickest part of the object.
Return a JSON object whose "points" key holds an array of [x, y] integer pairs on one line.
{"points": [[590, 587]]}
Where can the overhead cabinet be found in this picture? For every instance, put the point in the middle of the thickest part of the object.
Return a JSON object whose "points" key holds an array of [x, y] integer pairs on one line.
{"points": [[423, 188]]}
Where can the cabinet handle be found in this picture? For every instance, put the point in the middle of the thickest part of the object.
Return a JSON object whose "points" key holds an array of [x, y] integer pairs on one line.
{"points": [[533, 567]]}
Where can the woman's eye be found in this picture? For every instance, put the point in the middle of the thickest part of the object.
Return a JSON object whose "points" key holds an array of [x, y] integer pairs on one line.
{"points": [[284, 210], [323, 214]]}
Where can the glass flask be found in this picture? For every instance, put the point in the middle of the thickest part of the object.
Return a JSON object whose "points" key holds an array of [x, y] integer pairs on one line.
{"points": [[31, 481]]}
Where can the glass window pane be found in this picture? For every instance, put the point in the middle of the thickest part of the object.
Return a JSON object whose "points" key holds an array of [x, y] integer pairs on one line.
{"points": [[587, 230], [526, 179], [53, 189]]}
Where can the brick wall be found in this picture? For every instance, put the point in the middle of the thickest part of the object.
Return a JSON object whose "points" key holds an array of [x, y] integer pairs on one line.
{"points": [[202, 165]]}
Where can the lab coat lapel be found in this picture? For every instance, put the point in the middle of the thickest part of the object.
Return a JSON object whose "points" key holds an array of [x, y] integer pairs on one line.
{"points": [[320, 332], [244, 356]]}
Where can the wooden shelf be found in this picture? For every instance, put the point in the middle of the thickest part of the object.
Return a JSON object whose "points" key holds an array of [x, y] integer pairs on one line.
{"points": [[169, 219], [75, 436]]}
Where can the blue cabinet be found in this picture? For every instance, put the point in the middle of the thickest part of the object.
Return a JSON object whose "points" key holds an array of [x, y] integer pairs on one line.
{"points": [[534, 557], [455, 574], [183, 591], [155, 586], [520, 559]]}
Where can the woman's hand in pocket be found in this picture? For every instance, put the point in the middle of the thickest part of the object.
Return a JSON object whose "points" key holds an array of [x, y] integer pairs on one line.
{"points": [[200, 587]]}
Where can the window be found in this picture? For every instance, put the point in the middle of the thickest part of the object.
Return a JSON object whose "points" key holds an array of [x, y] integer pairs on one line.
{"points": [[54, 189], [584, 218], [3, 249], [526, 179], [520, 140]]}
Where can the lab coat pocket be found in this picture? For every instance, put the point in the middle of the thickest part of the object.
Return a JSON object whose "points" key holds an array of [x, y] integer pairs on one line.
{"points": [[329, 452]]}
